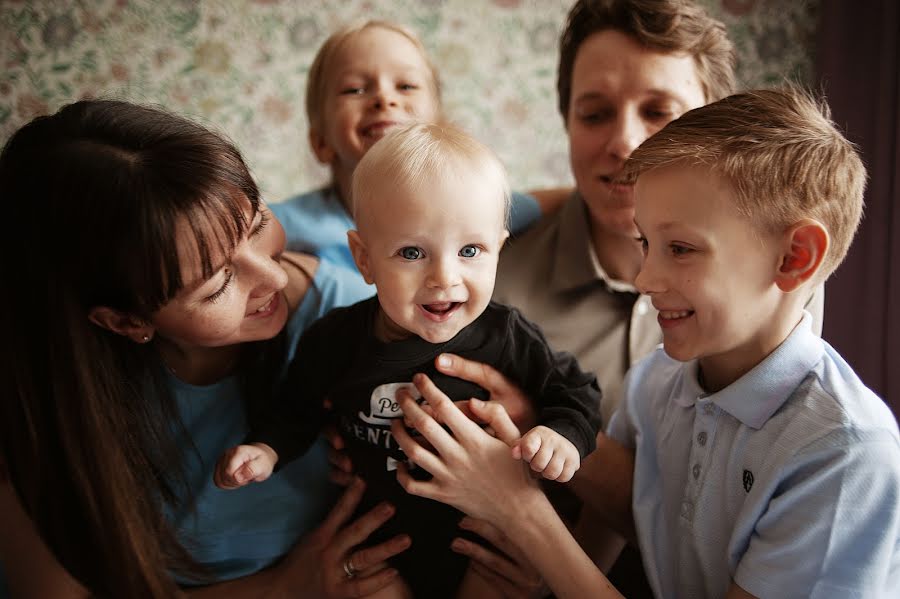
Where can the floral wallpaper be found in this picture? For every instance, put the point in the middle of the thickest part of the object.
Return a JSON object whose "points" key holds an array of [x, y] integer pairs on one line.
{"points": [[241, 66]]}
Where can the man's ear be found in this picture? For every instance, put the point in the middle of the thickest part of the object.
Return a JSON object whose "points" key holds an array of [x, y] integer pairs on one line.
{"points": [[320, 147], [360, 255], [806, 244], [127, 325]]}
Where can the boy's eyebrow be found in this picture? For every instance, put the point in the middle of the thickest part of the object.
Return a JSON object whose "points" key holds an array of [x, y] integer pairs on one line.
{"points": [[666, 225]]}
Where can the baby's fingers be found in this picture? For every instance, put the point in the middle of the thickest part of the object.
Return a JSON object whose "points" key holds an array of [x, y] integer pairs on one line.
{"points": [[530, 445], [226, 467], [554, 468], [542, 458], [568, 471], [250, 472]]}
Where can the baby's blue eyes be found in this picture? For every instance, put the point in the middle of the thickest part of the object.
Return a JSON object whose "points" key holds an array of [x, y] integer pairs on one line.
{"points": [[411, 253]]}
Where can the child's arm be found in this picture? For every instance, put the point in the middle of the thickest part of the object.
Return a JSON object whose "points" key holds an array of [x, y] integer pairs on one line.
{"points": [[551, 200], [245, 464], [833, 528], [528, 208], [287, 427], [549, 453], [567, 399]]}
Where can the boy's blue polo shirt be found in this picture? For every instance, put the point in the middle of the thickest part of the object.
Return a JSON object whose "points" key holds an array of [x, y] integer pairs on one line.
{"points": [[316, 223], [786, 482]]}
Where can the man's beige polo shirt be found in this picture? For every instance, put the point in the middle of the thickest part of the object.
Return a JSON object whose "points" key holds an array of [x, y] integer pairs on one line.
{"points": [[553, 276]]}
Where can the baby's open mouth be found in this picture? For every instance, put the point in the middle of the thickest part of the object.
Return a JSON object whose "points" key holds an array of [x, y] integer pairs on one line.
{"points": [[440, 308]]}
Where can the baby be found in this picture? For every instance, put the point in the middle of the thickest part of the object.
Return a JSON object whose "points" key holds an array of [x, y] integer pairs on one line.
{"points": [[430, 205]]}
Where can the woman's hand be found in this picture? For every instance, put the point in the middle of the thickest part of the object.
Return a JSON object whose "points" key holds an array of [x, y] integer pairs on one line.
{"points": [[476, 473], [506, 567], [501, 390], [472, 470], [318, 566]]}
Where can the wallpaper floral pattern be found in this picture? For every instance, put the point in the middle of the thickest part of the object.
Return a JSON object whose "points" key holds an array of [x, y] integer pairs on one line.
{"points": [[241, 66]]}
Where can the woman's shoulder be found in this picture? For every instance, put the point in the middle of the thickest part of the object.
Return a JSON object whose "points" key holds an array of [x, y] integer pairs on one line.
{"points": [[301, 270], [317, 286]]}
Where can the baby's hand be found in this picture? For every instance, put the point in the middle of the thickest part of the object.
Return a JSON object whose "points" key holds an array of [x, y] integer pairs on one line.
{"points": [[549, 453], [244, 464]]}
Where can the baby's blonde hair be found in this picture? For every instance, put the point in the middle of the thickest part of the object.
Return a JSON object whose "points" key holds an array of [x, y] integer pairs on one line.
{"points": [[782, 155], [410, 157], [317, 81]]}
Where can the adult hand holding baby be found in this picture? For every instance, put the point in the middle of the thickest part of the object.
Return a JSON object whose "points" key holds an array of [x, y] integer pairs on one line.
{"points": [[472, 471], [502, 393]]}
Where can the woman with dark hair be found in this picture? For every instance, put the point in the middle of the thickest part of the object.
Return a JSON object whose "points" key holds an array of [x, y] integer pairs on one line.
{"points": [[149, 314]]}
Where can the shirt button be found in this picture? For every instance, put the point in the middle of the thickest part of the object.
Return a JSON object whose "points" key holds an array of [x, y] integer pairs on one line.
{"points": [[708, 409], [701, 439], [696, 470]]}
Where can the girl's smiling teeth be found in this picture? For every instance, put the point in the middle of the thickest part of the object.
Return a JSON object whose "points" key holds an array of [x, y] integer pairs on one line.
{"points": [[378, 130]]}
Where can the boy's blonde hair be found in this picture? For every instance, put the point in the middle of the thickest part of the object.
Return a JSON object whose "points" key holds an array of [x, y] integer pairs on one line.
{"points": [[782, 155], [410, 157], [317, 81]]}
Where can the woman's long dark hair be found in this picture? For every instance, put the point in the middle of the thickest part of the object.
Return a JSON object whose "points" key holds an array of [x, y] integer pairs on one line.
{"points": [[91, 199]]}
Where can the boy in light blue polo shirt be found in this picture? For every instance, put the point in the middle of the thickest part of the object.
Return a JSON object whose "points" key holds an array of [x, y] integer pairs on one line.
{"points": [[763, 465]]}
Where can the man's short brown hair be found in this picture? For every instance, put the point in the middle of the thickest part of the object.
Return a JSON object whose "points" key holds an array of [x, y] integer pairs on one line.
{"points": [[670, 26], [782, 156]]}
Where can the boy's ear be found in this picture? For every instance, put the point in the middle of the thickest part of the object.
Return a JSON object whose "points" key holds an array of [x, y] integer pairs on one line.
{"points": [[121, 323], [320, 147], [360, 255], [805, 246]]}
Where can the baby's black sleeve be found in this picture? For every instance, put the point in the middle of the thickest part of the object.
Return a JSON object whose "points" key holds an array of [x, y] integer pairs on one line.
{"points": [[293, 421], [567, 399]]}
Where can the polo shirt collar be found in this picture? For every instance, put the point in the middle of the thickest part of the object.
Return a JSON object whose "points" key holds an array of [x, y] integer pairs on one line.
{"points": [[757, 395], [575, 263]]}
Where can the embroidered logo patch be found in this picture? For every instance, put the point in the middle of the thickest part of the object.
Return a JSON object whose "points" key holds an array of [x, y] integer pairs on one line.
{"points": [[748, 480]]}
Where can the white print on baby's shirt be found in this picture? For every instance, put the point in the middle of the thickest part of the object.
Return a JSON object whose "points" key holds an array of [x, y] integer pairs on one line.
{"points": [[383, 408], [383, 405]]}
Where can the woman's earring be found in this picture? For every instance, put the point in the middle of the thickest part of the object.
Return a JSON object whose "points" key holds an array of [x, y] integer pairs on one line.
{"points": [[145, 338]]}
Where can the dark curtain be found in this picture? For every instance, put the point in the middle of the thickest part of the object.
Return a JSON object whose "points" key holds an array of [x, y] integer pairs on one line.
{"points": [[859, 70]]}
